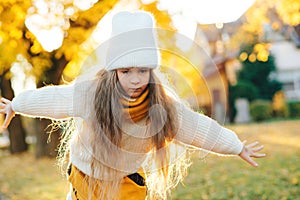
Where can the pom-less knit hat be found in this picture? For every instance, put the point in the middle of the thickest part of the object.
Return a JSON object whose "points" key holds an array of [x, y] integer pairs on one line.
{"points": [[133, 41]]}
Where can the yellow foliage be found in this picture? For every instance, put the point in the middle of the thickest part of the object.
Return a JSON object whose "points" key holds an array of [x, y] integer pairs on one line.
{"points": [[71, 71], [78, 34], [259, 14], [258, 47], [260, 52], [163, 20], [243, 56], [15, 33], [252, 57], [186, 78], [36, 47], [289, 11], [12, 16], [278, 101], [41, 63], [263, 55]]}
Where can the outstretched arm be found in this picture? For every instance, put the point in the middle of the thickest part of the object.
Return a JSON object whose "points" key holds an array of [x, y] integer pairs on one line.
{"points": [[5, 108], [52, 102], [203, 132]]}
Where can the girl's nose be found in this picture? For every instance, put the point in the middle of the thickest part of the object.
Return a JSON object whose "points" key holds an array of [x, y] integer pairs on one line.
{"points": [[135, 79]]}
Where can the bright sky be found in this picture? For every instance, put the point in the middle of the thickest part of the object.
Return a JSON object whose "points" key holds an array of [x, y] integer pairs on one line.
{"points": [[207, 11]]}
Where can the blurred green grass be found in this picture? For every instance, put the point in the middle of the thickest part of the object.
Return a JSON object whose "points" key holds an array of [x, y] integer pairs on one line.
{"points": [[210, 177], [277, 176], [22, 177]]}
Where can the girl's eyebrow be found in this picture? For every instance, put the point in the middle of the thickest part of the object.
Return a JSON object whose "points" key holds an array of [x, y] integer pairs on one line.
{"points": [[128, 68]]}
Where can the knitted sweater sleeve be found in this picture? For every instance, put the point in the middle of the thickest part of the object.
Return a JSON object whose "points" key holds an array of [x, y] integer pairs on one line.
{"points": [[203, 132], [48, 102]]}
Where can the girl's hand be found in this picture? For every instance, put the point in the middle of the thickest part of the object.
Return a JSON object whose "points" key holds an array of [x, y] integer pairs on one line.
{"points": [[5, 108], [251, 150]]}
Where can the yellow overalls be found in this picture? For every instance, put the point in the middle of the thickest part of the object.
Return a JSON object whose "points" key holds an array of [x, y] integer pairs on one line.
{"points": [[129, 189]]}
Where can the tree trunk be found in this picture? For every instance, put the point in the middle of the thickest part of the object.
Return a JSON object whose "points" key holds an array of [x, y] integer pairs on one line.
{"points": [[16, 130], [47, 144]]}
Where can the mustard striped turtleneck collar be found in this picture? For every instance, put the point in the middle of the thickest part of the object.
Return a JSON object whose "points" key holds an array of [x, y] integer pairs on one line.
{"points": [[136, 109]]}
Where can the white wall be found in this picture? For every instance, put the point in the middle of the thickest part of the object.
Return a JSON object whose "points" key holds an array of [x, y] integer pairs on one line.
{"points": [[287, 60]]}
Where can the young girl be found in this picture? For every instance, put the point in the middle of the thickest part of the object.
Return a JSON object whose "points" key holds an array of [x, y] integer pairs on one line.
{"points": [[129, 135]]}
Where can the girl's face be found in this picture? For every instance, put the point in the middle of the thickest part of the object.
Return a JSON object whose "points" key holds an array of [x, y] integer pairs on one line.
{"points": [[134, 80]]}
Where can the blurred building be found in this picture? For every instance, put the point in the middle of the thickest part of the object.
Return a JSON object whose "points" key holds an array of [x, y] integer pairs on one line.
{"points": [[287, 60], [219, 66], [285, 47]]}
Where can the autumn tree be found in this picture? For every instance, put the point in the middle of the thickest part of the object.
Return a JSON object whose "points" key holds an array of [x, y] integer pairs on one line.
{"points": [[80, 29], [12, 43], [47, 66], [183, 66]]}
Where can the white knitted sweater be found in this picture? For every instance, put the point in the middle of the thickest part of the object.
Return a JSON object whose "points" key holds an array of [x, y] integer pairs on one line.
{"points": [[76, 100]]}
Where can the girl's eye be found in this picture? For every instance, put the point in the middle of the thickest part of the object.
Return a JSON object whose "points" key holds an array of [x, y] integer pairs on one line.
{"points": [[125, 71], [143, 70]]}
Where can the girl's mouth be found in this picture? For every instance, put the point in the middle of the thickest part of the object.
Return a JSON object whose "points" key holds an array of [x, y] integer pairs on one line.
{"points": [[135, 89]]}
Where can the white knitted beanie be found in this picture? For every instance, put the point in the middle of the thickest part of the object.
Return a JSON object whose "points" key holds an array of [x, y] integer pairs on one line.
{"points": [[133, 41]]}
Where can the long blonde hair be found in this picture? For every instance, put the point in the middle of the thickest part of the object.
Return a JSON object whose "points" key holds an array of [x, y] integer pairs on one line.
{"points": [[109, 114], [165, 165]]}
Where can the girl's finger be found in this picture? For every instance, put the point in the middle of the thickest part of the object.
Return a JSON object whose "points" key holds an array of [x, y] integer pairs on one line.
{"points": [[252, 144], [251, 162], [5, 100], [258, 155], [256, 149], [7, 120]]}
